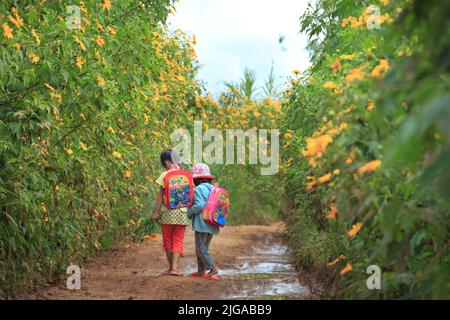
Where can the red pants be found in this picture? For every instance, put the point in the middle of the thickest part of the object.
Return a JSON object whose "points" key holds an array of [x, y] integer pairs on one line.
{"points": [[173, 237]]}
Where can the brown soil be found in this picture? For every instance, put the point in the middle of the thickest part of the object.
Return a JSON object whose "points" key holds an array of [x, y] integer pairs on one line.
{"points": [[133, 270]]}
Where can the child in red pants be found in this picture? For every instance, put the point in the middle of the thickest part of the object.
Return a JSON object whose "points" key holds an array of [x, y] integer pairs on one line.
{"points": [[173, 221]]}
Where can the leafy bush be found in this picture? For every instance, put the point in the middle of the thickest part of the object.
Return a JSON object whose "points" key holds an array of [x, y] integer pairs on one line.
{"points": [[367, 143], [83, 118], [254, 198]]}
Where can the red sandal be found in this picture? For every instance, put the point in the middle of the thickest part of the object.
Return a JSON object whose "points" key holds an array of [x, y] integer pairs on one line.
{"points": [[210, 277], [196, 275]]}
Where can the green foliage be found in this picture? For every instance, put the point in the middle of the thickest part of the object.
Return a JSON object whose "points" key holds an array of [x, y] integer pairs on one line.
{"points": [[254, 198], [400, 118], [82, 122]]}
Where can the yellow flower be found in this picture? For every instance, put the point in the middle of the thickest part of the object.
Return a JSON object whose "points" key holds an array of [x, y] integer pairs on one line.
{"points": [[347, 57], [83, 146], [55, 96], [336, 172], [337, 260], [116, 155], [106, 5], [332, 214], [36, 37], [312, 162], [350, 158], [355, 74], [80, 43], [352, 21], [296, 72], [111, 130], [69, 151], [132, 222], [370, 166], [347, 21], [14, 21], [408, 52], [370, 106], [49, 87], [380, 70], [343, 126], [34, 58], [311, 185], [7, 31], [152, 236], [80, 62], [354, 230], [100, 81], [325, 178], [385, 2], [17, 46], [127, 174], [336, 65], [43, 207], [330, 85], [317, 146], [100, 41], [386, 17], [346, 269], [100, 27], [112, 30]]}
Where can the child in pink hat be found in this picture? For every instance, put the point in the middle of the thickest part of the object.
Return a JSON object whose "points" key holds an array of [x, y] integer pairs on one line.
{"points": [[203, 231]]}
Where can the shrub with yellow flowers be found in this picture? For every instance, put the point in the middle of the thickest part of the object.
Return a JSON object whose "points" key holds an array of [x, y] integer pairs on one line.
{"points": [[254, 198], [366, 161], [87, 104]]}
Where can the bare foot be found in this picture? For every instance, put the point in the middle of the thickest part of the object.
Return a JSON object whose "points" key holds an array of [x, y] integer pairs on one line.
{"points": [[213, 271], [176, 273]]}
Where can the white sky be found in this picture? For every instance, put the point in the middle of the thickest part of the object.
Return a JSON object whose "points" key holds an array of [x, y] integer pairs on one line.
{"points": [[233, 34]]}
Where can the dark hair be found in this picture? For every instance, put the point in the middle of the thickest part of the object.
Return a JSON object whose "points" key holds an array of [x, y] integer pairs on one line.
{"points": [[199, 181], [166, 156], [172, 156]]}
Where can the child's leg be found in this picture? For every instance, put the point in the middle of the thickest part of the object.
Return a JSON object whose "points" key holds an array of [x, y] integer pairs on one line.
{"points": [[167, 233], [177, 246], [208, 239], [202, 241], [201, 269]]}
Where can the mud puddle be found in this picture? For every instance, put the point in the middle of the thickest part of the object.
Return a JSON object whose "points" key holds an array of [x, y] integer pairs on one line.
{"points": [[267, 273]]}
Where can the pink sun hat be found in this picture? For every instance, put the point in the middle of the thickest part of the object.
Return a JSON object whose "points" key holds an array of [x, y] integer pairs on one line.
{"points": [[201, 170]]}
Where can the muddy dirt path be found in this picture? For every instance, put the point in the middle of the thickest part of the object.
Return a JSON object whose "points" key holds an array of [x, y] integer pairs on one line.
{"points": [[254, 262]]}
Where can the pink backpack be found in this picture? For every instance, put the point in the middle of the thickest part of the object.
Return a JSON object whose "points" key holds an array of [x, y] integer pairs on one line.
{"points": [[216, 211]]}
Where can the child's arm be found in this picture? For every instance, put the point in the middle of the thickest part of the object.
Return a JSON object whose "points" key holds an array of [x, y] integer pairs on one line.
{"points": [[198, 205], [158, 204]]}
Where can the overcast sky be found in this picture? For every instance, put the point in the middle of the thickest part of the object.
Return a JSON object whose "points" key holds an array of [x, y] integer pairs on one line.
{"points": [[233, 34]]}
